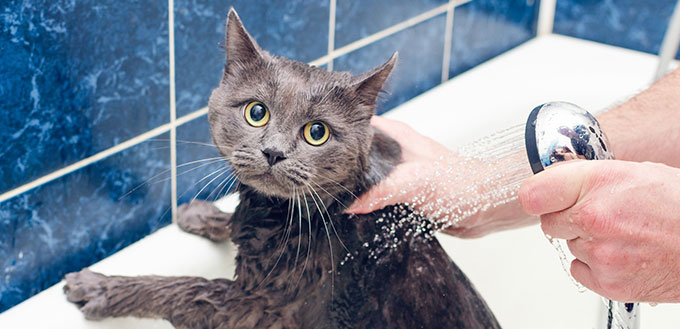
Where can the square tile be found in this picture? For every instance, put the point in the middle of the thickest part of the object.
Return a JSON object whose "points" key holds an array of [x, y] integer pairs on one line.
{"points": [[355, 19], [295, 29], [483, 29], [78, 219], [421, 52], [77, 77], [633, 24]]}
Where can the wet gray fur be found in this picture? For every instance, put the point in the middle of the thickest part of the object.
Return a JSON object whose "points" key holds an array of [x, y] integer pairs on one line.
{"points": [[301, 262]]}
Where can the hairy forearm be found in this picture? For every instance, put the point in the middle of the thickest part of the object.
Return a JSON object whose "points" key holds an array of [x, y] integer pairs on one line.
{"points": [[647, 127]]}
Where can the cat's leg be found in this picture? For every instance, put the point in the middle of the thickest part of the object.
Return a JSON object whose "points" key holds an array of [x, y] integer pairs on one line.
{"points": [[204, 219], [187, 302]]}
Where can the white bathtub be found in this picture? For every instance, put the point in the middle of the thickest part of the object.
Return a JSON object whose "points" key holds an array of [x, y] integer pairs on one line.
{"points": [[518, 272]]}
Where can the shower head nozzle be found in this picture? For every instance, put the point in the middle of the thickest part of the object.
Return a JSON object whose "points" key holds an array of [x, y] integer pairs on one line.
{"points": [[561, 131]]}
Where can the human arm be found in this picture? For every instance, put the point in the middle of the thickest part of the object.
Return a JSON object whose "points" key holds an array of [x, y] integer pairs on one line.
{"points": [[647, 126]]}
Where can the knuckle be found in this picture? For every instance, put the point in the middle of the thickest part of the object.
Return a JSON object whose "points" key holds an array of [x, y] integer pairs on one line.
{"points": [[599, 255], [548, 224], [590, 217], [607, 258], [610, 288], [602, 173], [599, 174]]}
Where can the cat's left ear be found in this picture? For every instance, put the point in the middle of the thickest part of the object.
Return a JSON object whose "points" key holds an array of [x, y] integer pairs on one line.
{"points": [[369, 85], [240, 45]]}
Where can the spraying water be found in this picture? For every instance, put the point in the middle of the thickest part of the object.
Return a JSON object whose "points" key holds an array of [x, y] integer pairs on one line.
{"points": [[464, 190]]}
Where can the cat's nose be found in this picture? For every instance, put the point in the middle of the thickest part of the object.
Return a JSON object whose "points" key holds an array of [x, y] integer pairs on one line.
{"points": [[273, 156]]}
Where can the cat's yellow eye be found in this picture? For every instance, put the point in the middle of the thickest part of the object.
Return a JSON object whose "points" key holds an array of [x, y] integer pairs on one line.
{"points": [[316, 133], [257, 115]]}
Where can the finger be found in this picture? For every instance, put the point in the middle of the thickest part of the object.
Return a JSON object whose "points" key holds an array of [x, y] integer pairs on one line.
{"points": [[377, 197], [553, 189], [390, 127], [583, 274], [578, 247], [382, 123], [560, 226]]}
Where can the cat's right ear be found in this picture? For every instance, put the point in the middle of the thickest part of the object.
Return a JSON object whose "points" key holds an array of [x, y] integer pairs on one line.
{"points": [[240, 46], [369, 85]]}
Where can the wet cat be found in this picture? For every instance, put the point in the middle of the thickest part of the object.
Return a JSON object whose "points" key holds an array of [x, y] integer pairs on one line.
{"points": [[299, 140]]}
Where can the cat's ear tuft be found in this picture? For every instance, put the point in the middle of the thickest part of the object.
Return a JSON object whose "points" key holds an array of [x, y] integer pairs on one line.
{"points": [[369, 85], [240, 46]]}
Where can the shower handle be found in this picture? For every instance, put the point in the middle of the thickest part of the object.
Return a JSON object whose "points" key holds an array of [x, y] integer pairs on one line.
{"points": [[560, 131]]}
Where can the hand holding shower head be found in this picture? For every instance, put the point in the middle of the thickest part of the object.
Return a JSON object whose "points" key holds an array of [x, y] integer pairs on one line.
{"points": [[560, 131]]}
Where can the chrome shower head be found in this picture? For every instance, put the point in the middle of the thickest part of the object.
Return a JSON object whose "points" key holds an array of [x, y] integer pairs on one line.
{"points": [[561, 131]]}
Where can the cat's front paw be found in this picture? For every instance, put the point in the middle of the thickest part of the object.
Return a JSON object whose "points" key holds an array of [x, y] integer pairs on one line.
{"points": [[87, 290], [204, 219]]}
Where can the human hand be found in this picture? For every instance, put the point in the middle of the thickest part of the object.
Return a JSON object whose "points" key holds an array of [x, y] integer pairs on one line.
{"points": [[621, 221], [418, 156], [448, 188]]}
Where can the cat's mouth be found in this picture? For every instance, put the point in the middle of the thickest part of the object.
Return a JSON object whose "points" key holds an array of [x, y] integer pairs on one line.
{"points": [[269, 183], [266, 178], [281, 179]]}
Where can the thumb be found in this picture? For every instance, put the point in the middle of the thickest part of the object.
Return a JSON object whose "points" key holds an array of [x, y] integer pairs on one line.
{"points": [[370, 201], [554, 189], [391, 190]]}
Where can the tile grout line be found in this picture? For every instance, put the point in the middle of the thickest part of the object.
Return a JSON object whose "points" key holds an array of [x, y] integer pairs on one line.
{"points": [[169, 127], [173, 112], [669, 45], [84, 162], [389, 31], [386, 32], [448, 34], [331, 34], [102, 155], [546, 17]]}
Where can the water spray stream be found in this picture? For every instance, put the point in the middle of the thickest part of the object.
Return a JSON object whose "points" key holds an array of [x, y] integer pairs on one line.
{"points": [[462, 191]]}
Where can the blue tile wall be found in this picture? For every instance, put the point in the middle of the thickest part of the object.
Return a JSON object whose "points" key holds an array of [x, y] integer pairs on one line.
{"points": [[483, 29], [72, 74], [77, 78], [634, 24], [421, 52], [296, 29], [358, 19], [80, 218]]}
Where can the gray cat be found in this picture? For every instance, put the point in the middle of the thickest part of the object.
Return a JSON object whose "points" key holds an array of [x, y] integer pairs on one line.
{"points": [[299, 140]]}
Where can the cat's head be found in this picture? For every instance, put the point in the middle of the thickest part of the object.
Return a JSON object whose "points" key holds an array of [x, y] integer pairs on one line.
{"points": [[287, 127]]}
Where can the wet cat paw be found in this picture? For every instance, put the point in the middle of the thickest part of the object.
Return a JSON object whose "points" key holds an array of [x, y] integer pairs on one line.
{"points": [[87, 290], [204, 219]]}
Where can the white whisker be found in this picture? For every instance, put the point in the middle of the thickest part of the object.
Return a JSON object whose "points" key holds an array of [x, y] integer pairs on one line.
{"points": [[202, 179], [284, 242], [330, 220], [309, 241], [224, 182], [336, 183], [224, 170], [149, 181], [330, 244]]}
